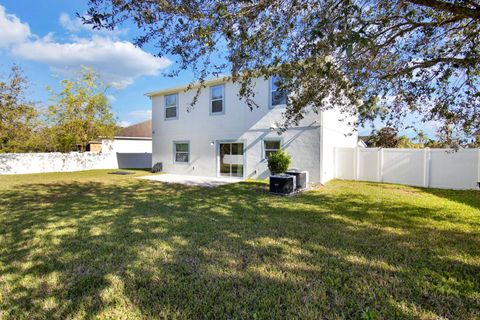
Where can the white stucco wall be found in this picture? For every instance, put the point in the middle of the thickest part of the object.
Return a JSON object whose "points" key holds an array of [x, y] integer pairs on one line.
{"points": [[129, 153], [336, 132], [204, 132], [127, 145], [19, 163], [118, 153]]}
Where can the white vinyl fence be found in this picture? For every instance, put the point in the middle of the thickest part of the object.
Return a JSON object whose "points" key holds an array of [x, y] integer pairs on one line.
{"points": [[435, 168]]}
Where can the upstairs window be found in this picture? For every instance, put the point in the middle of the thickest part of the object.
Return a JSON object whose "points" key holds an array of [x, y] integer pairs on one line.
{"points": [[270, 147], [171, 106], [277, 98], [217, 99], [182, 152]]}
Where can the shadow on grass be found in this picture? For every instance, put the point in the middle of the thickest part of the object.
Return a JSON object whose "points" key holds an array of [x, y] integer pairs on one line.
{"points": [[467, 197], [152, 250]]}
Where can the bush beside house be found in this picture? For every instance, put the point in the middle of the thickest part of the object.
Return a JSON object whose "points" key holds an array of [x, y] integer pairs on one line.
{"points": [[279, 162]]}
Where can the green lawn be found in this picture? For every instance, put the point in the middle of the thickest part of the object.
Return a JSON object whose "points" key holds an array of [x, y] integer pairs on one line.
{"points": [[94, 245]]}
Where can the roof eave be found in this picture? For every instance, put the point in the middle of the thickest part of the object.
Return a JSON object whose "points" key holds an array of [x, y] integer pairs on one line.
{"points": [[132, 138], [185, 87]]}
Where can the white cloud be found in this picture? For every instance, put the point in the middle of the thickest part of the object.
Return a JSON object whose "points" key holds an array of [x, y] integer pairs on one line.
{"points": [[119, 62], [142, 114], [72, 25], [12, 30]]}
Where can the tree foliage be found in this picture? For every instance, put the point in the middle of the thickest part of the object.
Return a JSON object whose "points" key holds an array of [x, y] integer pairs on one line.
{"points": [[374, 58], [386, 137], [17, 115], [278, 162], [475, 143], [81, 112]]}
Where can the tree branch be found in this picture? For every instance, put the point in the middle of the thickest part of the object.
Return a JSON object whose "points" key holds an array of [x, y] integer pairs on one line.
{"points": [[456, 9], [430, 63]]}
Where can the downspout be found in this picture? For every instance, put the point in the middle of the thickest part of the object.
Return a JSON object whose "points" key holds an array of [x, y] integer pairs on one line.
{"points": [[320, 132]]}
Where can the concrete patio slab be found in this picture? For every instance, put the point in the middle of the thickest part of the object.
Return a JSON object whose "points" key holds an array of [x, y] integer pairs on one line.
{"points": [[191, 180]]}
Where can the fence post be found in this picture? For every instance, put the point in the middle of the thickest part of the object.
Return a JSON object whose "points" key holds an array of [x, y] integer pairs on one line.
{"points": [[426, 167], [356, 163], [380, 165]]}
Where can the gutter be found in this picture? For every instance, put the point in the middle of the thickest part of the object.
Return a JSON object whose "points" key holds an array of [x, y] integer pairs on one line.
{"points": [[127, 138], [189, 86]]}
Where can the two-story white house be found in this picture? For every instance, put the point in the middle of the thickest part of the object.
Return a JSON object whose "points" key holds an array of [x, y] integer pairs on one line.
{"points": [[221, 137]]}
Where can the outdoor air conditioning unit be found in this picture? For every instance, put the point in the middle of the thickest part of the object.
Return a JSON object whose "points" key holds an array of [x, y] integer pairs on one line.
{"points": [[301, 178], [157, 167], [282, 184]]}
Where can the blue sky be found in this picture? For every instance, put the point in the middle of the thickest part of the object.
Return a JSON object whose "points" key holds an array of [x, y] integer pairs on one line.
{"points": [[47, 40]]}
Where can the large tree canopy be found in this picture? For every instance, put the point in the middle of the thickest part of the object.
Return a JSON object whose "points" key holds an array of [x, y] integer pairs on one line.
{"points": [[385, 59], [80, 113], [17, 116]]}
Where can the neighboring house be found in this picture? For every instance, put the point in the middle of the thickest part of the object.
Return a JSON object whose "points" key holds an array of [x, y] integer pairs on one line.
{"points": [[132, 146], [136, 138], [221, 136]]}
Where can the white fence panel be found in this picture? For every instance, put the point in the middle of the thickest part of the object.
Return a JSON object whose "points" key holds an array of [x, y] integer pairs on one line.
{"points": [[368, 163], [403, 166], [456, 170], [436, 168]]}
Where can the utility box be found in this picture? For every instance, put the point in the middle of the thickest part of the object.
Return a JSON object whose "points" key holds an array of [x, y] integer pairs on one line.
{"points": [[282, 184], [157, 167], [301, 178]]}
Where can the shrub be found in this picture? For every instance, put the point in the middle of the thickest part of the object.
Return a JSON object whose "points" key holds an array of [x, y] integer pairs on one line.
{"points": [[279, 162]]}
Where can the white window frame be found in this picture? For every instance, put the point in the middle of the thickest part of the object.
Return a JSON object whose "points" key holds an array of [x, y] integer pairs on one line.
{"points": [[270, 95], [265, 150], [245, 159], [175, 152], [165, 107], [223, 100]]}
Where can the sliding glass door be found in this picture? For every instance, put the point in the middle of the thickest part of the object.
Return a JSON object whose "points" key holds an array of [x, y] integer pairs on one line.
{"points": [[231, 159]]}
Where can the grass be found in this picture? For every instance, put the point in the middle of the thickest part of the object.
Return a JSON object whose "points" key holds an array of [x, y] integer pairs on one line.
{"points": [[93, 245]]}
